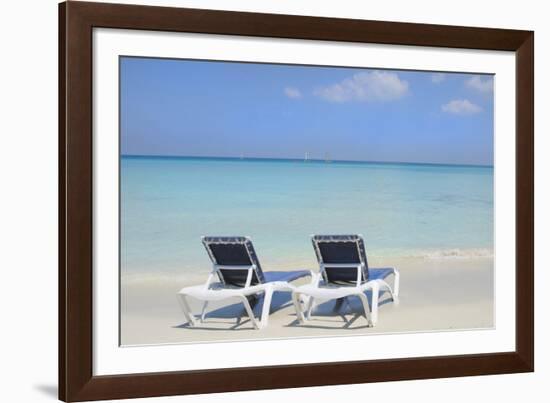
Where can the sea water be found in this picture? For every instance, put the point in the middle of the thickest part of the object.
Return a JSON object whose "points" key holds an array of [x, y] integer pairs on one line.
{"points": [[402, 210]]}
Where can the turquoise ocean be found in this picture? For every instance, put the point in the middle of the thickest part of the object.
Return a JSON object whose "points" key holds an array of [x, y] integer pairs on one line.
{"points": [[401, 209]]}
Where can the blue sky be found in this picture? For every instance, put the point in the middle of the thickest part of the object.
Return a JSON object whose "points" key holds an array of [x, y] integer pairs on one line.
{"points": [[224, 109]]}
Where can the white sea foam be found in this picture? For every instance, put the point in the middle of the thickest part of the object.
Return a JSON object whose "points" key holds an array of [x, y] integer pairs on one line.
{"points": [[459, 253], [184, 276], [448, 253]]}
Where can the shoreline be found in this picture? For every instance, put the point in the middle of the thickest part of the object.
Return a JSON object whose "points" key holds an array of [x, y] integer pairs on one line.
{"points": [[437, 294], [183, 274]]}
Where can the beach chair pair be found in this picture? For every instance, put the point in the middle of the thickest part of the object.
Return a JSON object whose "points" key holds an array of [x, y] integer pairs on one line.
{"points": [[344, 272]]}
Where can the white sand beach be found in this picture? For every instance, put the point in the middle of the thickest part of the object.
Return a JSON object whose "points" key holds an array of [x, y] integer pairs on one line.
{"points": [[436, 294]]}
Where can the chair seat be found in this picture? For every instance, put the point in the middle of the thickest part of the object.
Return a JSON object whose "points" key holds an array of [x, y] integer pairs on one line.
{"points": [[271, 276], [380, 273]]}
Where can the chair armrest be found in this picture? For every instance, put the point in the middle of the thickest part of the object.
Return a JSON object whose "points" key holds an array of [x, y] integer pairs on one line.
{"points": [[209, 280], [315, 278]]}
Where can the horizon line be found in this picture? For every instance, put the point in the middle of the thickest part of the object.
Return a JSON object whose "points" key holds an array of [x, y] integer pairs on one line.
{"points": [[300, 159]]}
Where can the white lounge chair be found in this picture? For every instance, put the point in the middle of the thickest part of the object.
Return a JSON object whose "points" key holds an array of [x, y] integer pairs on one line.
{"points": [[344, 272], [236, 266]]}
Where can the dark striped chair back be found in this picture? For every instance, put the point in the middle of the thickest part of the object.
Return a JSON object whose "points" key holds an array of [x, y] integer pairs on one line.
{"points": [[232, 256], [346, 252]]}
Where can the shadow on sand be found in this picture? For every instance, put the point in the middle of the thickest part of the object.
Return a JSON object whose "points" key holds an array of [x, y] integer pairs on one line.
{"points": [[280, 300], [342, 315], [322, 316]]}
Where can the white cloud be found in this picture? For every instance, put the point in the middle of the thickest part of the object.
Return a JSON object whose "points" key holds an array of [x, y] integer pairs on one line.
{"points": [[365, 87], [478, 84], [461, 107], [438, 77], [292, 92]]}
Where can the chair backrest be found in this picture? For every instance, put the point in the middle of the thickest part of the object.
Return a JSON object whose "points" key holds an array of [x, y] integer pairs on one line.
{"points": [[233, 257], [345, 253]]}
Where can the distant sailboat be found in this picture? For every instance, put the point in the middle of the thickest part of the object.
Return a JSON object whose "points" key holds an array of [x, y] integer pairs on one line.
{"points": [[306, 157]]}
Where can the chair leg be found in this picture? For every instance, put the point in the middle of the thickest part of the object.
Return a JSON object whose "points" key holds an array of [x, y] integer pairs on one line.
{"points": [[374, 304], [186, 310], [310, 307], [250, 312], [203, 312], [304, 301], [266, 307], [366, 308], [386, 287], [296, 298], [396, 286]]}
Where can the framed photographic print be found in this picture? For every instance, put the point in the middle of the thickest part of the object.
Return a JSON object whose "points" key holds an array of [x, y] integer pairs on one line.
{"points": [[252, 201]]}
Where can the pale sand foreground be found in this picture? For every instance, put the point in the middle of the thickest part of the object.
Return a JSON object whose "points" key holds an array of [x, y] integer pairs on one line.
{"points": [[436, 294]]}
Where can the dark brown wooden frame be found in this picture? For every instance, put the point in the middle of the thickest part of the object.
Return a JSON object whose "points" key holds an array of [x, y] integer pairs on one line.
{"points": [[76, 22]]}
